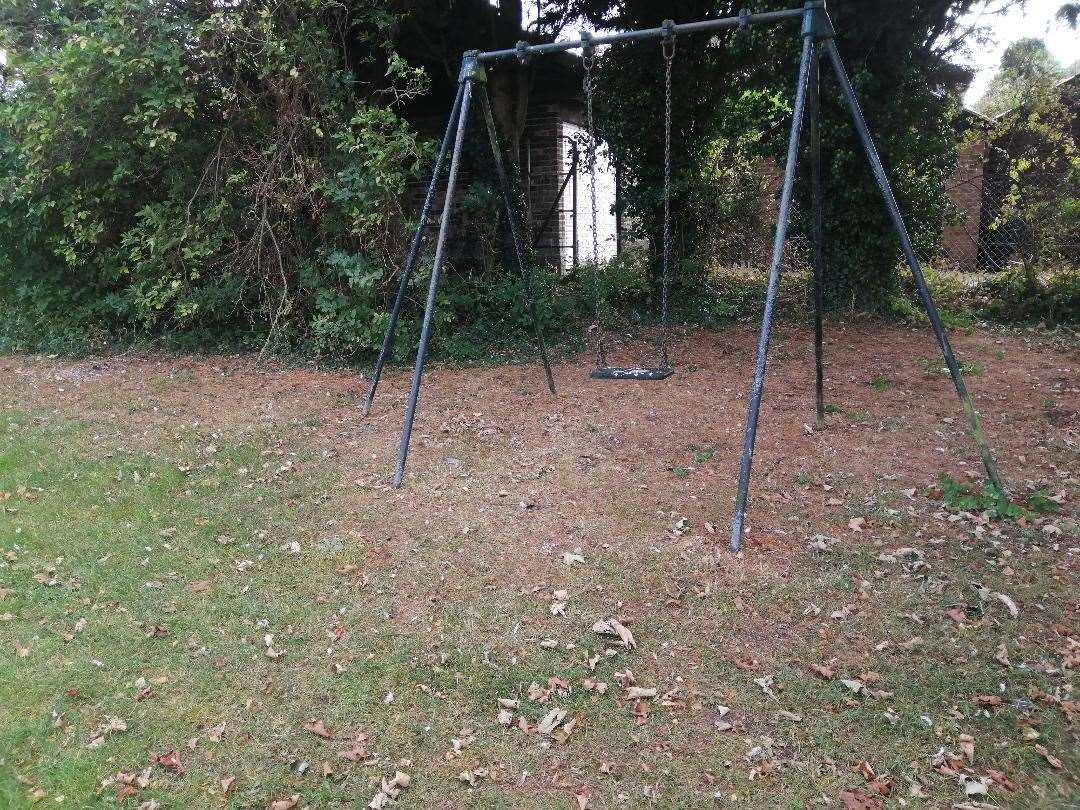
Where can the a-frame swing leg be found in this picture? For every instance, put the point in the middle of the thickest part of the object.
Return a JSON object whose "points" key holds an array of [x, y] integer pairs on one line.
{"points": [[817, 227], [974, 425], [414, 249], [512, 216], [773, 288], [465, 80]]}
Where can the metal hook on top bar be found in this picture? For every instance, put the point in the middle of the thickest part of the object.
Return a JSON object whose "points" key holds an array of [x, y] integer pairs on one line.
{"points": [[667, 38], [744, 22], [588, 48]]}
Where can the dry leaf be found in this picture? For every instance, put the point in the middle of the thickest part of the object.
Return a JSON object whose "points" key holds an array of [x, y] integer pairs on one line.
{"points": [[967, 747], [1053, 761], [640, 712], [624, 634], [227, 784], [825, 672], [1001, 655], [1014, 611], [284, 804], [318, 728], [1000, 778], [170, 760], [853, 685], [957, 614], [865, 768], [856, 524], [551, 721], [857, 800]]}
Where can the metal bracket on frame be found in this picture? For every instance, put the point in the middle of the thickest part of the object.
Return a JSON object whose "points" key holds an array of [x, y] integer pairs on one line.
{"points": [[472, 69], [817, 23]]}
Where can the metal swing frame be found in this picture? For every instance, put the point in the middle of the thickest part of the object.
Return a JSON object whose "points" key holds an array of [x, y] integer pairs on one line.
{"points": [[817, 34]]}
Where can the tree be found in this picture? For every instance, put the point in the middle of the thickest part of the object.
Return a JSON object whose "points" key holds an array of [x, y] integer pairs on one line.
{"points": [[1026, 69], [1033, 157], [434, 33], [1070, 14], [197, 165], [738, 84]]}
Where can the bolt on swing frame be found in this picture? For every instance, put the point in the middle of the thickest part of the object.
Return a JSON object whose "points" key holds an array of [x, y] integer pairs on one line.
{"points": [[817, 36]]}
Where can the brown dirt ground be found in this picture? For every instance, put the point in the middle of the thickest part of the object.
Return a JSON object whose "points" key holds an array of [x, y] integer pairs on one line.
{"points": [[504, 478], [492, 451]]}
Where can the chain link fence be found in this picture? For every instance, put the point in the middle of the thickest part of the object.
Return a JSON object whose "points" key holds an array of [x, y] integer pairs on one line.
{"points": [[1001, 221]]}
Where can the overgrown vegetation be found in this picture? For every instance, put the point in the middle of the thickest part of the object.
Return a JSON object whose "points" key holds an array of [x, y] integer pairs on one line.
{"points": [[204, 169], [239, 176]]}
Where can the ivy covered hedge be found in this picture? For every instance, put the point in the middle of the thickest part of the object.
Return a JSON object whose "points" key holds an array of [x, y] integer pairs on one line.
{"points": [[199, 167]]}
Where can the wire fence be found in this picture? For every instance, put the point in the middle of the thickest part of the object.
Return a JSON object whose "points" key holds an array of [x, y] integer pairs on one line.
{"points": [[999, 221]]}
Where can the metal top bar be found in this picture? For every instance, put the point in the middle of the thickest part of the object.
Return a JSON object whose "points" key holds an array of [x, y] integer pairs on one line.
{"points": [[650, 33]]}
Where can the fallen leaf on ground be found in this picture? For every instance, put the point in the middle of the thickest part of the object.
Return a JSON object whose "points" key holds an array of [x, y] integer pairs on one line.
{"points": [[551, 721], [1053, 761], [865, 768], [111, 725], [1014, 611], [857, 800], [957, 614], [471, 778], [318, 728], [170, 760], [967, 747], [389, 790], [613, 627], [1001, 655], [999, 778]]}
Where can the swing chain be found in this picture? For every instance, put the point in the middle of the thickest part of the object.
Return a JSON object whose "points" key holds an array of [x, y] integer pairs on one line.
{"points": [[667, 45], [588, 61]]}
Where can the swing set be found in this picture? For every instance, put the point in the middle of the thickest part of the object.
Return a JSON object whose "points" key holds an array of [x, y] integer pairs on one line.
{"points": [[817, 35]]}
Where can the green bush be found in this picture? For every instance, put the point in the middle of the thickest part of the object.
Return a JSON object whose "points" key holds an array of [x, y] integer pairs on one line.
{"points": [[1010, 296], [204, 169]]}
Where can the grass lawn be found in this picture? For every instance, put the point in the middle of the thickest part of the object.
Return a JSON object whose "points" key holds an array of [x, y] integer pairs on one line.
{"points": [[210, 598]]}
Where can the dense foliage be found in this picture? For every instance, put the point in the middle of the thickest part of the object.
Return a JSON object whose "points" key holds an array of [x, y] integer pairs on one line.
{"points": [[733, 98], [198, 166], [240, 172]]}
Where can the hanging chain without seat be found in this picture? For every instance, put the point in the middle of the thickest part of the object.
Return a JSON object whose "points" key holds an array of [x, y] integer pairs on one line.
{"points": [[588, 61], [667, 45]]}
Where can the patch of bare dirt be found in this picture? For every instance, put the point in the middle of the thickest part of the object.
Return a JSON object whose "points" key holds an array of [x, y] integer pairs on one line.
{"points": [[606, 466]]}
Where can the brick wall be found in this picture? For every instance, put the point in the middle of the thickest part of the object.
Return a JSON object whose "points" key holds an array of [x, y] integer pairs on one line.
{"points": [[544, 160], [959, 241]]}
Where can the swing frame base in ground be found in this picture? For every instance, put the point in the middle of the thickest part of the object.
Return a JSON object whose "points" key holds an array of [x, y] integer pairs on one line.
{"points": [[817, 35]]}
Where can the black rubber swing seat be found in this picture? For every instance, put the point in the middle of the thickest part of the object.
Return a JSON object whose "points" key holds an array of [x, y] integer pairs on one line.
{"points": [[632, 373]]}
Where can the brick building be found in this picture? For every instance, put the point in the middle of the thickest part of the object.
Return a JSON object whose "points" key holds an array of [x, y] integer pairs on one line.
{"points": [[552, 162], [976, 240], [960, 236]]}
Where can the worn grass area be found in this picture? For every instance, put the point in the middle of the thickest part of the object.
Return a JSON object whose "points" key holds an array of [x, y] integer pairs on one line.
{"points": [[239, 586]]}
